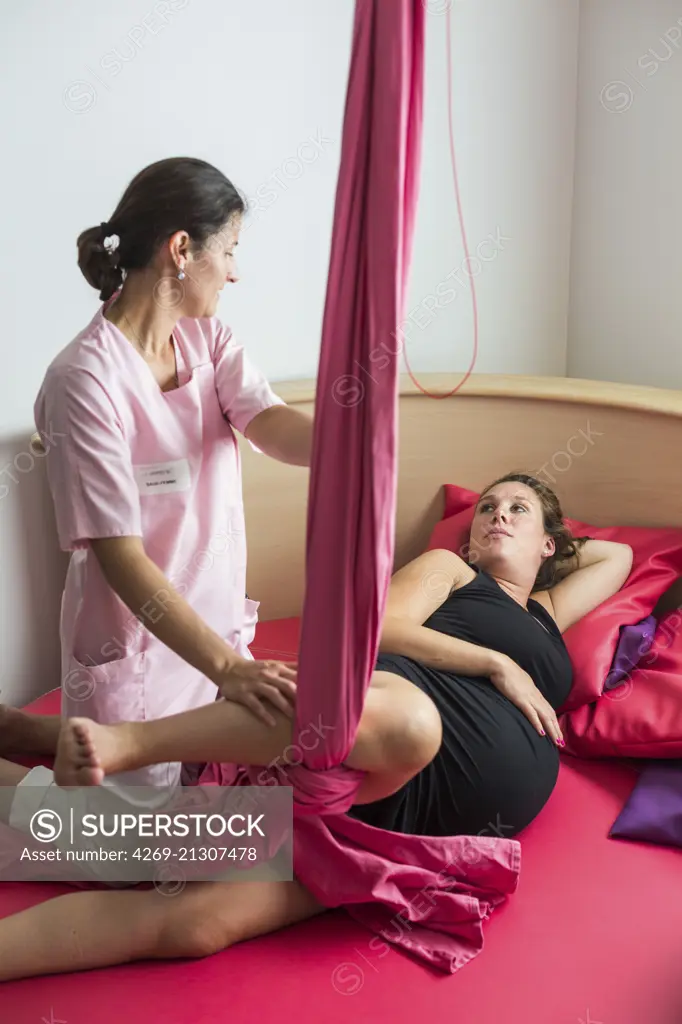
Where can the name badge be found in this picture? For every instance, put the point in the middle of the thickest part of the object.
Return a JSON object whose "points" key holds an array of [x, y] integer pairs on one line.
{"points": [[163, 477]]}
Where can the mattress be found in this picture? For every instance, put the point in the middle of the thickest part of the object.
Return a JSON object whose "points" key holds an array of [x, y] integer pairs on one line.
{"points": [[593, 935]]}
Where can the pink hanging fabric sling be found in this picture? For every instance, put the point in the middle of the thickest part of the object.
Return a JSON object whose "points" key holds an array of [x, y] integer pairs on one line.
{"points": [[428, 895]]}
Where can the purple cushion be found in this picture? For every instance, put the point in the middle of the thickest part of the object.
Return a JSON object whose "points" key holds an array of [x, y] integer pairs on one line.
{"points": [[653, 812], [633, 644]]}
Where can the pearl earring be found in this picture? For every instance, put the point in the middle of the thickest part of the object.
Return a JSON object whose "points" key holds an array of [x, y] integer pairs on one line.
{"points": [[181, 275]]}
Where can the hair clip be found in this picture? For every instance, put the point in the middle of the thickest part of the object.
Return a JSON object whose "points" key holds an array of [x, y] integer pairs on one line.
{"points": [[111, 243]]}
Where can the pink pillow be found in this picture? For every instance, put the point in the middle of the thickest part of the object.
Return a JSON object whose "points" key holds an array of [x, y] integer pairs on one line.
{"points": [[592, 642], [642, 717]]}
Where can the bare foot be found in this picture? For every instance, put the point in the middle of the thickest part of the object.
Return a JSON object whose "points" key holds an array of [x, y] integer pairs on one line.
{"points": [[78, 762]]}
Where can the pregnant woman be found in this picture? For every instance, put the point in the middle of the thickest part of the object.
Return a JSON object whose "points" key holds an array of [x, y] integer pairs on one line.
{"points": [[481, 663]]}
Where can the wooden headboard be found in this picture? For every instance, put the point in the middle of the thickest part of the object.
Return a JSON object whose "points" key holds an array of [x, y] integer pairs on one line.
{"points": [[610, 451]]}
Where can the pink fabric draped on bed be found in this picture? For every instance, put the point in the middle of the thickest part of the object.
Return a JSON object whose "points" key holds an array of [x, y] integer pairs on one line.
{"points": [[429, 895]]}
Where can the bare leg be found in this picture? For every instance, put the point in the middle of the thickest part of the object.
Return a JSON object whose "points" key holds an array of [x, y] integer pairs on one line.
{"points": [[67, 934], [400, 732], [27, 734]]}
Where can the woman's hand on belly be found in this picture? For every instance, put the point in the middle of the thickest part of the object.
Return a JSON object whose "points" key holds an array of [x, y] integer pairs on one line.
{"points": [[517, 686], [252, 683]]}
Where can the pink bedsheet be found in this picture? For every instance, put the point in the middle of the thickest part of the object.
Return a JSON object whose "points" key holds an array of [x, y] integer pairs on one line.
{"points": [[594, 934]]}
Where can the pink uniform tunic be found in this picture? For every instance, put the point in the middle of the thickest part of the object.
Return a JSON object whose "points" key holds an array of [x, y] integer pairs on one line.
{"points": [[127, 459]]}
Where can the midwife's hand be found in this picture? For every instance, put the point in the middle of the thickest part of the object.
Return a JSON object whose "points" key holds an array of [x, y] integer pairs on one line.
{"points": [[518, 687], [254, 683]]}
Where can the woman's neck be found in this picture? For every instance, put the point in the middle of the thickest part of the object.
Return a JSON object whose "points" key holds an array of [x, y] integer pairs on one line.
{"points": [[142, 317], [519, 592]]}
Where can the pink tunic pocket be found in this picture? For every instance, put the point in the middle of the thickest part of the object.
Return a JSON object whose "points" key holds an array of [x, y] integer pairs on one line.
{"points": [[108, 693]]}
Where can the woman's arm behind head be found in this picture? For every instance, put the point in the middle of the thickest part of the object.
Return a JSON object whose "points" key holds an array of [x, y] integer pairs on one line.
{"points": [[601, 569]]}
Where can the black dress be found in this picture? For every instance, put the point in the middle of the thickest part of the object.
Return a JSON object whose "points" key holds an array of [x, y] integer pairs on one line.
{"points": [[494, 772]]}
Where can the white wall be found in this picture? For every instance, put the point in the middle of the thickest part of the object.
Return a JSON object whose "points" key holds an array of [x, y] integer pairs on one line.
{"points": [[241, 84], [99, 91], [626, 268], [514, 72]]}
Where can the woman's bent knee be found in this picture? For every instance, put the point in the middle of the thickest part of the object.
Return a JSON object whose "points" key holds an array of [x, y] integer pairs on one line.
{"points": [[417, 739], [401, 729]]}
